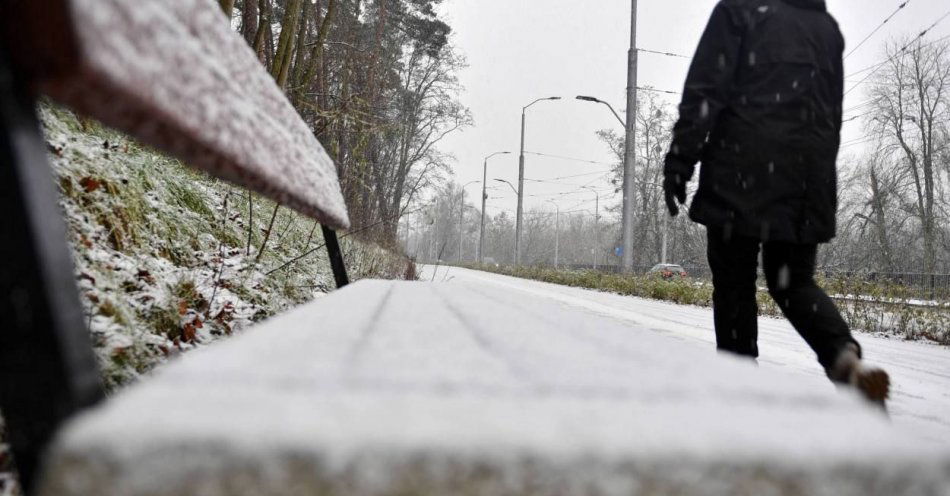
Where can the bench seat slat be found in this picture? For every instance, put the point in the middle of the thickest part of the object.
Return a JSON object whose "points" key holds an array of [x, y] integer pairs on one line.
{"points": [[387, 388], [173, 74]]}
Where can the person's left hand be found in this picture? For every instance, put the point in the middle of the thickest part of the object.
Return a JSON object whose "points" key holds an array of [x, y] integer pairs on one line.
{"points": [[674, 187]]}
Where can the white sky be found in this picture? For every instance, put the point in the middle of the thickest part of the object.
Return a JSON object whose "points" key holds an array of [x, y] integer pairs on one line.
{"points": [[521, 50]]}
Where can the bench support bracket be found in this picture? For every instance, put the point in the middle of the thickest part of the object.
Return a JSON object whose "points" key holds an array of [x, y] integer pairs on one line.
{"points": [[48, 370], [336, 257]]}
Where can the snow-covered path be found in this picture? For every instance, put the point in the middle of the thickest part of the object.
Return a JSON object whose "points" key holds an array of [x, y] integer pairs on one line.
{"points": [[920, 372]]}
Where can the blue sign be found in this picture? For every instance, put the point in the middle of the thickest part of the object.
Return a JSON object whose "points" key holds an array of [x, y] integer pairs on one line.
{"points": [[618, 251]]}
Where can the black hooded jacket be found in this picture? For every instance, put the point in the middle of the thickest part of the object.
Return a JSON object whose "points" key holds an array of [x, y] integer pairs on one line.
{"points": [[762, 111]]}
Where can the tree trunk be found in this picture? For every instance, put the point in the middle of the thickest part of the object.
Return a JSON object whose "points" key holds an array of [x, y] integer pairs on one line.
{"points": [[249, 21], [263, 28], [228, 7], [299, 87], [878, 205], [285, 47], [316, 52]]}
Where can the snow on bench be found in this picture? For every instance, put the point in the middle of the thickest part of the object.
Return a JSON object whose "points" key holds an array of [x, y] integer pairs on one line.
{"points": [[425, 388], [173, 74]]}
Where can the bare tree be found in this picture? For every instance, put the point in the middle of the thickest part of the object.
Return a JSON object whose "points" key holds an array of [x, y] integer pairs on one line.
{"points": [[911, 102]]}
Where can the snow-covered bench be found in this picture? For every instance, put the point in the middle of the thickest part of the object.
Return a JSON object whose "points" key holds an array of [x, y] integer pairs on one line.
{"points": [[452, 388], [172, 74]]}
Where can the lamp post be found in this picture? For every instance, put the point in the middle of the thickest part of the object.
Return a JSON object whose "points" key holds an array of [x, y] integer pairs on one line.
{"points": [[596, 223], [521, 180], [481, 230], [512, 186], [462, 216], [630, 148], [557, 232], [625, 158], [597, 100]]}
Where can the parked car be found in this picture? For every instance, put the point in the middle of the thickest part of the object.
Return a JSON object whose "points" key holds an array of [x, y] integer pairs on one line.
{"points": [[668, 271]]}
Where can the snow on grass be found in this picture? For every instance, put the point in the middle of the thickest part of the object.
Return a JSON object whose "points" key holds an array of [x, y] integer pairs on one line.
{"points": [[161, 252]]}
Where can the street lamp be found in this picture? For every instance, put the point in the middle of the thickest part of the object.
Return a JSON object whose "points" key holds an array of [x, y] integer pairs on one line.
{"points": [[481, 230], [462, 216], [628, 160], [512, 186], [557, 232], [597, 100], [596, 223], [521, 180]]}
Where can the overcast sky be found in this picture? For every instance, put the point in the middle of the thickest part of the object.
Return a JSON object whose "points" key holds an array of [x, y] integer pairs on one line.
{"points": [[521, 50]]}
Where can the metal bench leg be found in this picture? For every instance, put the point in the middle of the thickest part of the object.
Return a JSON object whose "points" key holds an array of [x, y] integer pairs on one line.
{"points": [[47, 368], [336, 257]]}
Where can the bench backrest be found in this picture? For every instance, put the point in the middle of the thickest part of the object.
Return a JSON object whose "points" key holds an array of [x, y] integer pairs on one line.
{"points": [[173, 74]]}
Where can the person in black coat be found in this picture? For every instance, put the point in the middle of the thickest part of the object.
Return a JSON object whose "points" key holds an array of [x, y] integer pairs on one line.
{"points": [[762, 110]]}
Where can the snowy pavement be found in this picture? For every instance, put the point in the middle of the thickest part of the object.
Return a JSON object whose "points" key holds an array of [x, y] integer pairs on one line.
{"points": [[920, 372], [486, 385]]}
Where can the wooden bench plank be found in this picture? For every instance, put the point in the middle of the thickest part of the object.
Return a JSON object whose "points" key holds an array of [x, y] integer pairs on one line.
{"points": [[419, 388], [173, 74]]}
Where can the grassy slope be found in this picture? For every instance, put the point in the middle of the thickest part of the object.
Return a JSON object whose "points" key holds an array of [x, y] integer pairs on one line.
{"points": [[161, 251], [162, 257]]}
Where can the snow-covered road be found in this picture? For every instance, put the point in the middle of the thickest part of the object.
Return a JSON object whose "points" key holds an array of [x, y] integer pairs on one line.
{"points": [[920, 372]]}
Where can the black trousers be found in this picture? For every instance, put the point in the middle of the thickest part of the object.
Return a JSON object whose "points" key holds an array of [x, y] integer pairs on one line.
{"points": [[789, 272]]}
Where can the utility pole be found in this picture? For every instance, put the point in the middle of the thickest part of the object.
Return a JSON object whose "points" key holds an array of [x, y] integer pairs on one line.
{"points": [[481, 230], [596, 224], [520, 211], [461, 224], [557, 232], [630, 150]]}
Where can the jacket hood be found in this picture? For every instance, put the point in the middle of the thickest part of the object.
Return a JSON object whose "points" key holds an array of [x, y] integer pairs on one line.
{"points": [[808, 4]]}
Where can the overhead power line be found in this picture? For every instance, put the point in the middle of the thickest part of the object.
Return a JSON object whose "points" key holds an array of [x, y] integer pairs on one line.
{"points": [[666, 54], [654, 90], [553, 179], [875, 66], [878, 28], [860, 105], [603, 191], [572, 159], [903, 49], [557, 183], [857, 142]]}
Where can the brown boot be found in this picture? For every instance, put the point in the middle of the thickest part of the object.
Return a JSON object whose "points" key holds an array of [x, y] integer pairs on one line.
{"points": [[872, 382]]}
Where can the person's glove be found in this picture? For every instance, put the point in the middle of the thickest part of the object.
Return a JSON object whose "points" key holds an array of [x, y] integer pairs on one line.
{"points": [[674, 188]]}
